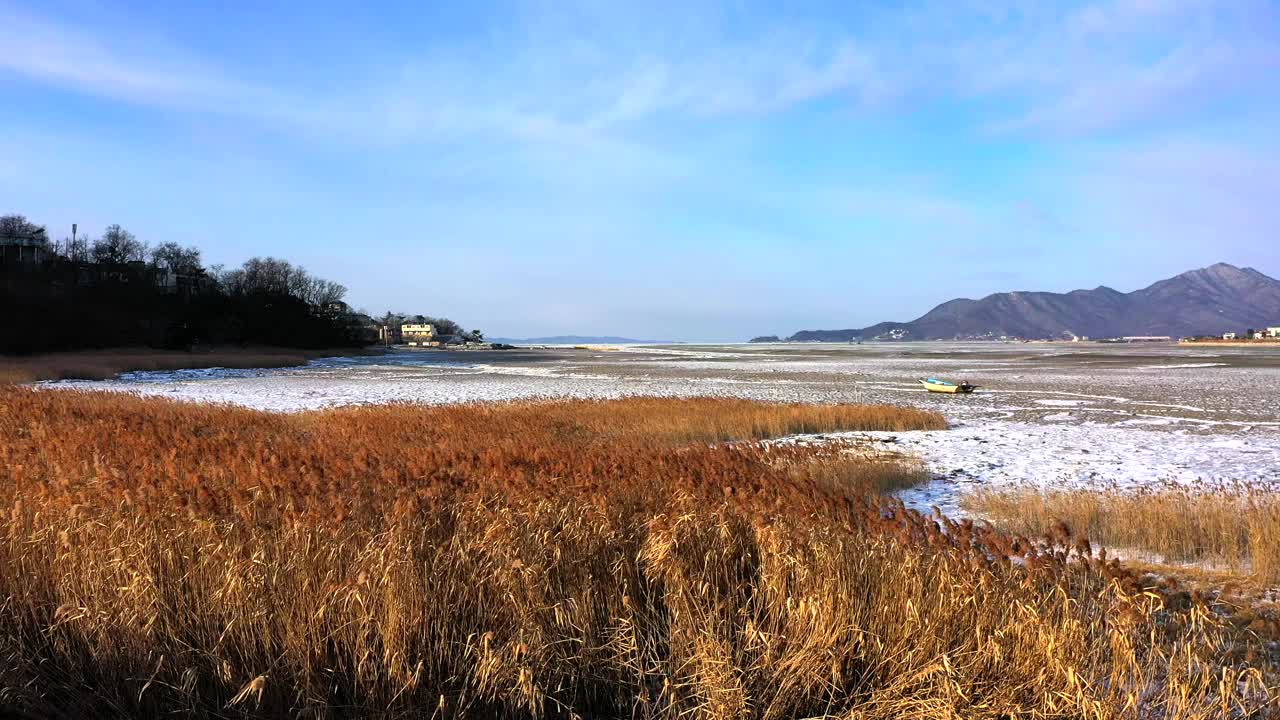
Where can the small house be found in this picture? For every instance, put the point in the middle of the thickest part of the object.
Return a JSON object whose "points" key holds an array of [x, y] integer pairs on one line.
{"points": [[418, 334], [1228, 336], [17, 249]]}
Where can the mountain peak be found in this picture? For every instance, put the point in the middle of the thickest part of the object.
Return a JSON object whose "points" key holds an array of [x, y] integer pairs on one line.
{"points": [[1217, 278], [1218, 269], [1224, 271]]}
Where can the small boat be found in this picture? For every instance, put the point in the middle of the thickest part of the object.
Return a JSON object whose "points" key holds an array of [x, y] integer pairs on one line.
{"points": [[942, 386]]}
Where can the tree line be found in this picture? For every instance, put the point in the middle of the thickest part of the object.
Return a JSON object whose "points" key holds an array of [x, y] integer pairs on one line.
{"points": [[117, 291], [443, 327]]}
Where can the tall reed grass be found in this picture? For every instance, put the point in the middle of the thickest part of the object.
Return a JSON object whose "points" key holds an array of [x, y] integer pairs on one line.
{"points": [[1235, 525], [548, 560]]}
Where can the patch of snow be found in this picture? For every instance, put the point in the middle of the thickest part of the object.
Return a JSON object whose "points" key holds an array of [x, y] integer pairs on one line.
{"points": [[1180, 366], [997, 454]]}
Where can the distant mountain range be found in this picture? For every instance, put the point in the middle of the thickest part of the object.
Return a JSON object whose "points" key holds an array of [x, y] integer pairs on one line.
{"points": [[1208, 301], [571, 340]]}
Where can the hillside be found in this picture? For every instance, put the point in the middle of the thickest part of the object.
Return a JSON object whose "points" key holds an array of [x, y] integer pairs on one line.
{"points": [[1210, 300]]}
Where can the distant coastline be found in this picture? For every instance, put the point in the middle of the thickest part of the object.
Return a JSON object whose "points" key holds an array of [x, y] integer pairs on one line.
{"points": [[578, 340]]}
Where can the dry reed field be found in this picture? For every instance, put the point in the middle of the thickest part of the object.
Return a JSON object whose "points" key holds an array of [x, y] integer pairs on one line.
{"points": [[636, 558], [1236, 526], [107, 364]]}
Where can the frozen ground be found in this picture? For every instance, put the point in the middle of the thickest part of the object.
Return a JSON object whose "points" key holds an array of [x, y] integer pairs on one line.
{"points": [[1050, 415], [1059, 455]]}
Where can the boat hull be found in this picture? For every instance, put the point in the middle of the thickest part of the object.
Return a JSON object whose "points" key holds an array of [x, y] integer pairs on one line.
{"points": [[947, 388]]}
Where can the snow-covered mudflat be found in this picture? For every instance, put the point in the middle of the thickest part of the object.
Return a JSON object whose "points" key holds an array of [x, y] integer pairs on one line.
{"points": [[1050, 415], [1055, 455]]}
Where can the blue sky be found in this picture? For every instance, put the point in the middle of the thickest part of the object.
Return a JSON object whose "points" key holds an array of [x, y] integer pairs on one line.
{"points": [[672, 170]]}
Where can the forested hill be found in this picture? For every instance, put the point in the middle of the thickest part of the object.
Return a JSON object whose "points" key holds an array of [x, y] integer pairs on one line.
{"points": [[114, 291]]}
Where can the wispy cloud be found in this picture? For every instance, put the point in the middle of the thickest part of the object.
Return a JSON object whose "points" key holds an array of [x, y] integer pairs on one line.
{"points": [[114, 64], [1186, 80], [592, 130], [1114, 64], [1079, 69]]}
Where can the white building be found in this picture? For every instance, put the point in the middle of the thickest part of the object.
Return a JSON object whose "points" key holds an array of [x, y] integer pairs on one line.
{"points": [[1228, 336], [415, 334], [1273, 332]]}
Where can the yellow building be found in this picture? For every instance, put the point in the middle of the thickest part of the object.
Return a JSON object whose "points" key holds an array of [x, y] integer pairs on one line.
{"points": [[415, 334]]}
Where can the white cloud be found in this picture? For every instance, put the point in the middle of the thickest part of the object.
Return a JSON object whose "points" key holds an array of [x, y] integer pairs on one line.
{"points": [[1122, 63], [1118, 15], [779, 75], [122, 67], [1185, 80], [552, 80], [591, 87]]}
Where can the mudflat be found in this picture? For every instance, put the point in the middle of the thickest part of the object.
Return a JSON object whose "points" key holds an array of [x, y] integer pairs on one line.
{"points": [[1052, 415]]}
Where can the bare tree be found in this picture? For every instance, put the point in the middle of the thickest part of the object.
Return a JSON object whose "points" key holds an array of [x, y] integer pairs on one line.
{"points": [[177, 259], [17, 228], [117, 245], [325, 292], [278, 277], [76, 250], [264, 275]]}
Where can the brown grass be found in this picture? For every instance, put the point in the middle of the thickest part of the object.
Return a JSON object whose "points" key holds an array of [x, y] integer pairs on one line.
{"points": [[1234, 526], [107, 364], [566, 559]]}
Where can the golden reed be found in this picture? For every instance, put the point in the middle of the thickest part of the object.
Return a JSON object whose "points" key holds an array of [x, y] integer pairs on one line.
{"points": [[636, 558]]}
